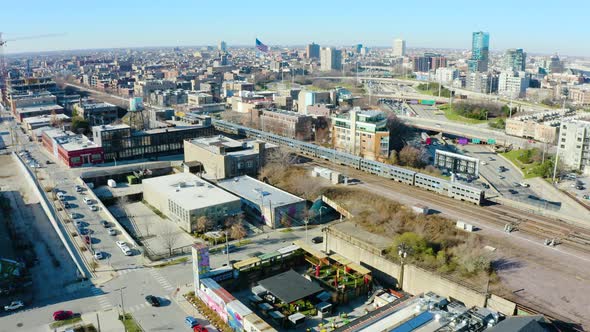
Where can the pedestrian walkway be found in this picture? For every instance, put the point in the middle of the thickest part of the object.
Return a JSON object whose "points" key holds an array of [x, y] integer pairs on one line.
{"points": [[107, 320], [102, 299], [161, 280]]}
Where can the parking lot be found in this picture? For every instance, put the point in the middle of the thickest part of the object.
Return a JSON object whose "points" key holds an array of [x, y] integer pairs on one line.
{"points": [[577, 186]]}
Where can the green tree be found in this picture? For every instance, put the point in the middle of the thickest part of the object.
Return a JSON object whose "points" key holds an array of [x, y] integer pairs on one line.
{"points": [[80, 125]]}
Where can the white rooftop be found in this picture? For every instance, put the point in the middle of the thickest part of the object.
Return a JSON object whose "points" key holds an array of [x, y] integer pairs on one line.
{"points": [[256, 191], [190, 191], [44, 118]]}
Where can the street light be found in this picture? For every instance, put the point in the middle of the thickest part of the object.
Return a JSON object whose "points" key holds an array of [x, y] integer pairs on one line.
{"points": [[403, 250]]}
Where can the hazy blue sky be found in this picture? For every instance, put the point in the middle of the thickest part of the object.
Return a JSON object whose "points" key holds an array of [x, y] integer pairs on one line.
{"points": [[545, 26]]}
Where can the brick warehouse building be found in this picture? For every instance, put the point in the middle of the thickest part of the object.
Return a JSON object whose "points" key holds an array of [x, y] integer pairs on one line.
{"points": [[72, 149]]}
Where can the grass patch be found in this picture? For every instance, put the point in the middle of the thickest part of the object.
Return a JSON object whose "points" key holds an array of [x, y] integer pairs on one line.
{"points": [[450, 114], [243, 243], [286, 230], [130, 324], [525, 162], [65, 322], [172, 262]]}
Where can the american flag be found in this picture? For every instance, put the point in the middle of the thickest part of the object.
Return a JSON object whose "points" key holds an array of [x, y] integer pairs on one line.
{"points": [[261, 47]]}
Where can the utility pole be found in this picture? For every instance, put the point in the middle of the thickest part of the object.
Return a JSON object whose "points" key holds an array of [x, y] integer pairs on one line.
{"points": [[227, 246], [306, 221]]}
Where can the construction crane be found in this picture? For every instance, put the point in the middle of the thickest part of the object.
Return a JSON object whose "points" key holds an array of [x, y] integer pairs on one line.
{"points": [[3, 71]]}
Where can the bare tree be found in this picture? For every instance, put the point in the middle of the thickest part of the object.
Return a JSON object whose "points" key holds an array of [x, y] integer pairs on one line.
{"points": [[202, 224], [238, 231], [285, 221], [169, 237]]}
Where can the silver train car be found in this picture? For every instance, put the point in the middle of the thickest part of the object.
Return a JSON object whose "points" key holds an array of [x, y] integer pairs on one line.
{"points": [[400, 174]]}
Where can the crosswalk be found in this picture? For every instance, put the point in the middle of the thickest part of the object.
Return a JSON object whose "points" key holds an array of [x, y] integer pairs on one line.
{"points": [[141, 306], [102, 299], [128, 270], [161, 280]]}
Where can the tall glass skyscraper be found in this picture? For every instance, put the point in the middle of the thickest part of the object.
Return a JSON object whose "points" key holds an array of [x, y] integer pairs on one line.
{"points": [[515, 59], [480, 52]]}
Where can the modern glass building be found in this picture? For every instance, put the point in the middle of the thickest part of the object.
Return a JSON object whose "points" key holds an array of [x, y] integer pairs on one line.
{"points": [[480, 52], [515, 59]]}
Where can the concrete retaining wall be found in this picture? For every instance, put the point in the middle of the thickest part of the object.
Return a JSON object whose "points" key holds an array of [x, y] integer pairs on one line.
{"points": [[415, 280], [106, 211], [59, 228]]}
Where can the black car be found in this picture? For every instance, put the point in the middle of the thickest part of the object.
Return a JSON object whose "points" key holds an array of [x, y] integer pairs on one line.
{"points": [[154, 301], [317, 239], [513, 192], [105, 224]]}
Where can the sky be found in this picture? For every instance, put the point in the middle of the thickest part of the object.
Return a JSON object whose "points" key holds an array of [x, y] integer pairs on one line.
{"points": [[542, 26]]}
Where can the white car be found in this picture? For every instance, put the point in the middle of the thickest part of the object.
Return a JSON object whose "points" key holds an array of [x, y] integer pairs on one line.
{"points": [[78, 189], [98, 255], [127, 251], [121, 244], [112, 232], [87, 201], [15, 305], [93, 207]]}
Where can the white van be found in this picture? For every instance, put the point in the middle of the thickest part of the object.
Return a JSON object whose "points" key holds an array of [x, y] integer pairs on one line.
{"points": [[126, 251], [60, 196]]}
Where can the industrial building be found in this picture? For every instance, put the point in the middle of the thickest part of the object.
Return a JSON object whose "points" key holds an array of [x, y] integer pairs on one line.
{"points": [[223, 157], [122, 142], [72, 149], [184, 197], [272, 206], [97, 113], [289, 124]]}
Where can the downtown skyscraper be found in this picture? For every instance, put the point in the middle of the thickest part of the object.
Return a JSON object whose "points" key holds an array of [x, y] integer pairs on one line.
{"points": [[480, 52]]}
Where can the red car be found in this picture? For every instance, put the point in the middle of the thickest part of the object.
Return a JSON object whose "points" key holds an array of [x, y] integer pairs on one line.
{"points": [[87, 239], [62, 315], [199, 328]]}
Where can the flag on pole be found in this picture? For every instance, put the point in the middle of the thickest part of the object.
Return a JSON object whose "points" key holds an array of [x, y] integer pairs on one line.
{"points": [[261, 47]]}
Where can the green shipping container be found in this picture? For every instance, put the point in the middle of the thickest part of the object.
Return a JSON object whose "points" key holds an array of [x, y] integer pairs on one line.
{"points": [[475, 140], [427, 102], [491, 141]]}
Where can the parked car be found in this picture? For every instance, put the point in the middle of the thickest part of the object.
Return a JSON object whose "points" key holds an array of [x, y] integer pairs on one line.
{"points": [[14, 305], [586, 196], [485, 185], [87, 200], [67, 205], [75, 215], [98, 255], [87, 239], [317, 239], [199, 328], [153, 301], [93, 208], [105, 224], [513, 192], [191, 321], [121, 244], [62, 315], [127, 251], [112, 232], [78, 223], [78, 189], [524, 184]]}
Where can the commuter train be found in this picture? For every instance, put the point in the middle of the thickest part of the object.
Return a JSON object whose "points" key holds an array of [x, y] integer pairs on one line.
{"points": [[441, 186]]}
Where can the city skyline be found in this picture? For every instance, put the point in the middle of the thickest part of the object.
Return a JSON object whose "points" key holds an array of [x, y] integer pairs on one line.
{"points": [[375, 24]]}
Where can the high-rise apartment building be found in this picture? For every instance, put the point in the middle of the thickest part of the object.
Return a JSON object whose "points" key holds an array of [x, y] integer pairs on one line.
{"points": [[513, 84], [312, 51], [222, 46], [514, 59], [480, 52], [330, 59], [574, 145], [399, 47], [429, 61], [362, 133]]}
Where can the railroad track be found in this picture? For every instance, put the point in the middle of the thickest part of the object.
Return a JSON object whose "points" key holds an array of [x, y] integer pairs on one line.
{"points": [[568, 234]]}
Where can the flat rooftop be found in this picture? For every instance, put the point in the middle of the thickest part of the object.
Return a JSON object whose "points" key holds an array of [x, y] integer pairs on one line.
{"points": [[70, 141], [111, 127], [44, 118], [190, 191], [39, 108], [290, 286], [232, 146], [251, 189]]}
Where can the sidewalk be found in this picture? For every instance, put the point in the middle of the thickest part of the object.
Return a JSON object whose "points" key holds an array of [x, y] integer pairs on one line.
{"points": [[108, 320]]}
